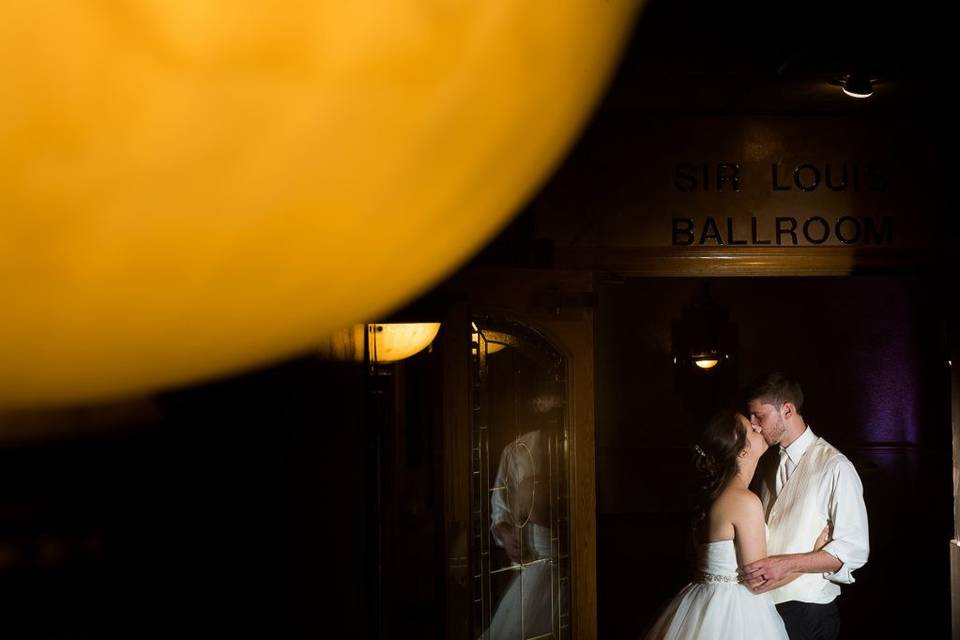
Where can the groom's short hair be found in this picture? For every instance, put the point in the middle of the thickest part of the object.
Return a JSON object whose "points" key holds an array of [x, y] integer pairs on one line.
{"points": [[776, 388]]}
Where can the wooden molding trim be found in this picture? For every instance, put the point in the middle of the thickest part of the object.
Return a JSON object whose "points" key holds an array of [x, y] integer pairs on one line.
{"points": [[740, 261]]}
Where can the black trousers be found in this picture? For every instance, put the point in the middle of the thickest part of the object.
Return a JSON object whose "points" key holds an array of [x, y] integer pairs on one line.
{"points": [[805, 621]]}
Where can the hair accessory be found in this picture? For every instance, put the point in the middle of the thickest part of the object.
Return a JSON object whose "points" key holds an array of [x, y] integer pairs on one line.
{"points": [[699, 451]]}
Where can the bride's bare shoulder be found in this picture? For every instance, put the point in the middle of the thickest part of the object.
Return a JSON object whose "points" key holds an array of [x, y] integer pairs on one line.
{"points": [[735, 502]]}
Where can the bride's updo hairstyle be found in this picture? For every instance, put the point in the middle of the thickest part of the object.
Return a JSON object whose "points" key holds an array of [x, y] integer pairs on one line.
{"points": [[715, 459]]}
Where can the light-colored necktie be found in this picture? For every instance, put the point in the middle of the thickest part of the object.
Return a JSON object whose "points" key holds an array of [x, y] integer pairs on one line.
{"points": [[786, 468]]}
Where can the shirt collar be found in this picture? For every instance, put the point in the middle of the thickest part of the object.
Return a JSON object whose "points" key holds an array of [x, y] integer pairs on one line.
{"points": [[797, 447]]}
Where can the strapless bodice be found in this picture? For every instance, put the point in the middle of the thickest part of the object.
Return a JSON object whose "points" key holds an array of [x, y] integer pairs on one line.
{"points": [[717, 562]]}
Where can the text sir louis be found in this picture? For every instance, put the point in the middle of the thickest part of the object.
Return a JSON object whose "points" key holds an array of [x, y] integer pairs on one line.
{"points": [[782, 230]]}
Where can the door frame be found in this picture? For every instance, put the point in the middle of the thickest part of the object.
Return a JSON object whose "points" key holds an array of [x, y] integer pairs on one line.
{"points": [[561, 306]]}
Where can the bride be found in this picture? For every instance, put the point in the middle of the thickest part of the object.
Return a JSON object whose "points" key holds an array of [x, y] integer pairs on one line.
{"points": [[728, 532]]}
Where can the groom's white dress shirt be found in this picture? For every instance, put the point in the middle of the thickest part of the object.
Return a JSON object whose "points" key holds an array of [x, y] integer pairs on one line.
{"points": [[829, 489]]}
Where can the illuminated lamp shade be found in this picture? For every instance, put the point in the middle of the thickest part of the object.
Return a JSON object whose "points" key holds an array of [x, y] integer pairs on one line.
{"points": [[394, 342], [189, 186], [706, 363], [343, 345]]}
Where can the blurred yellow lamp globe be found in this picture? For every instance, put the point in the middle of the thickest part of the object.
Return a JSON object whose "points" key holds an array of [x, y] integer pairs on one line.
{"points": [[190, 187]]}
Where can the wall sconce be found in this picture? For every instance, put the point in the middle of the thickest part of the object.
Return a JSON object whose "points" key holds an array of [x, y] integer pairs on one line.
{"points": [[703, 337], [343, 345], [388, 343], [705, 344]]}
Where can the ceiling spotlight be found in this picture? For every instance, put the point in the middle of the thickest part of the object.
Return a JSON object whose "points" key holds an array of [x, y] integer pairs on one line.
{"points": [[856, 85]]}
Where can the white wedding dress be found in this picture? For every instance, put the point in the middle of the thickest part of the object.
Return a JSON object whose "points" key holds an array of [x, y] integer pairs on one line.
{"points": [[716, 606]]}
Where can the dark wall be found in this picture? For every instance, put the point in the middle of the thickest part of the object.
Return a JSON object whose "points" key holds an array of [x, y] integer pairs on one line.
{"points": [[871, 355]]}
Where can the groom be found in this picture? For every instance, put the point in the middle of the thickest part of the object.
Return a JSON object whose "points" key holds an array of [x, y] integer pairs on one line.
{"points": [[810, 486]]}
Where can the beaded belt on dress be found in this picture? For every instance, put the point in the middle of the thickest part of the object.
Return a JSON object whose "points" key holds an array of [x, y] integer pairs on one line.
{"points": [[715, 578]]}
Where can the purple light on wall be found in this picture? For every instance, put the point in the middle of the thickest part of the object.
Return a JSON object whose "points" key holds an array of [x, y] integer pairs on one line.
{"points": [[889, 375]]}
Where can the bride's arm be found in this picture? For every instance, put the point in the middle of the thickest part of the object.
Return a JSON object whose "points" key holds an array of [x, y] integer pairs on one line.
{"points": [[751, 541], [750, 536]]}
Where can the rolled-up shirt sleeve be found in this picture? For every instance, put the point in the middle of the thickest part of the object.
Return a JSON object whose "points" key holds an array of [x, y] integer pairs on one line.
{"points": [[842, 493]]}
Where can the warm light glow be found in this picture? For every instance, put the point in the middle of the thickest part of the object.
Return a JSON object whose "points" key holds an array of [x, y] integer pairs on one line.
{"points": [[394, 342], [495, 341], [706, 363], [494, 347], [195, 187]]}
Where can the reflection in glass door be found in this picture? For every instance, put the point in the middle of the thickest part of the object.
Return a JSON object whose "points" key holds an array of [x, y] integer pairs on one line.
{"points": [[520, 558]]}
